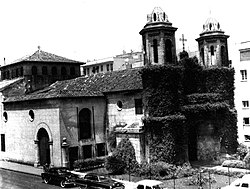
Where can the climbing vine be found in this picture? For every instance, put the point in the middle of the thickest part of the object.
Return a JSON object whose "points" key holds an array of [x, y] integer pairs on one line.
{"points": [[177, 98]]}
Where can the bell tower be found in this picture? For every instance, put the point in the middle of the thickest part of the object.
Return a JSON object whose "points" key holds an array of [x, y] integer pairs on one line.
{"points": [[158, 39], [213, 46]]}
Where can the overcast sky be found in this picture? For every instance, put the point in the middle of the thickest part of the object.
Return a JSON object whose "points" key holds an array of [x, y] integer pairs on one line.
{"points": [[94, 29]]}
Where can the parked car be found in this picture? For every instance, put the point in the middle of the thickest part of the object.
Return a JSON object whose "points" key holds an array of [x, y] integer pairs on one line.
{"points": [[94, 180], [60, 175], [240, 183], [148, 184]]}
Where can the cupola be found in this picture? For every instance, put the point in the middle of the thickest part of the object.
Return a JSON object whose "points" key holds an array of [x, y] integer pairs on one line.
{"points": [[213, 46], [158, 39]]}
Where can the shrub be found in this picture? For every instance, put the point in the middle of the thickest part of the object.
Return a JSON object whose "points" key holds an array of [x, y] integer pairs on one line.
{"points": [[242, 151], [115, 165], [162, 170], [247, 160], [185, 170], [124, 155], [200, 179], [87, 164], [234, 163]]}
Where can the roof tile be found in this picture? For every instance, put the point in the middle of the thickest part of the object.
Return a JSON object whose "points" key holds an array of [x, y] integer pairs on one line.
{"points": [[93, 85]]}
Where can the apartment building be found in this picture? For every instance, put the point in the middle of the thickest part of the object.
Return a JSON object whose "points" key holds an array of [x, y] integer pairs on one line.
{"points": [[119, 62], [242, 88]]}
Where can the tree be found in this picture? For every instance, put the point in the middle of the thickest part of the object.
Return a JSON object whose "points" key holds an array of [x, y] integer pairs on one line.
{"points": [[123, 156]]}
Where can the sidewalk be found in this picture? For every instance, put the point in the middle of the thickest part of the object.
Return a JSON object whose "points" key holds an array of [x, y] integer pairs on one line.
{"points": [[20, 168]]}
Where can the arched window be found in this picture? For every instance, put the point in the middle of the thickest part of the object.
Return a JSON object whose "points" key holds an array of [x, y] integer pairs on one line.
{"points": [[202, 56], [154, 17], [168, 51], [212, 50], [223, 56], [44, 70], [3, 75], [17, 73], [8, 74], [21, 71], [34, 70], [155, 49], [63, 71], [85, 124], [54, 71], [72, 71]]}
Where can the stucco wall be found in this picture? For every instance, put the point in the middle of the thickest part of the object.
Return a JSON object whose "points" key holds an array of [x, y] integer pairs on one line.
{"points": [[20, 133], [126, 117], [127, 114], [58, 117], [69, 120]]}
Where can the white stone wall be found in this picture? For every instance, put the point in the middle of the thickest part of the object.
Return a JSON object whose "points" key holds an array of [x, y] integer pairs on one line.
{"points": [[20, 133], [127, 114]]}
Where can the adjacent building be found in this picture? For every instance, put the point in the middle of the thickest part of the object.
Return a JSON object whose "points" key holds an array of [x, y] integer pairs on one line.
{"points": [[242, 87], [118, 62]]}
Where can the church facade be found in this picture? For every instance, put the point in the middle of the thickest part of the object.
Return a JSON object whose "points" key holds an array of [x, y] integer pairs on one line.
{"points": [[72, 117]]}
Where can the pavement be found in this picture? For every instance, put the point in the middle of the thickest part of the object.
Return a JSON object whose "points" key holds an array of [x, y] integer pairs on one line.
{"points": [[17, 167], [28, 169]]}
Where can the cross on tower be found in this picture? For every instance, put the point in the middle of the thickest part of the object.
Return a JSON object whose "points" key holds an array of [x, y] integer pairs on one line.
{"points": [[183, 40]]}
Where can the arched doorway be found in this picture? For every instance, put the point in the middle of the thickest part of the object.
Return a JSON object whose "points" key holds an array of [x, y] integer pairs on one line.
{"points": [[43, 146]]}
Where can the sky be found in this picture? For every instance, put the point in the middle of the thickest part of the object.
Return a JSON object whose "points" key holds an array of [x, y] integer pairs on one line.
{"points": [[93, 29]]}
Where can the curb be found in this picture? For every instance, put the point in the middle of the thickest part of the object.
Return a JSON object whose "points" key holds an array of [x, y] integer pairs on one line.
{"points": [[3, 168]]}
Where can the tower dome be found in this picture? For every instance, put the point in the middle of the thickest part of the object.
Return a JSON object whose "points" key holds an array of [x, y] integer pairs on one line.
{"points": [[157, 15], [213, 45], [158, 39], [211, 25]]}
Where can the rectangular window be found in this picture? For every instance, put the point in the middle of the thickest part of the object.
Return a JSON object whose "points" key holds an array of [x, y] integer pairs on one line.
{"points": [[107, 66], [100, 149], [87, 151], [84, 71], [97, 69], [245, 104], [101, 68], [247, 138], [87, 71], [243, 75], [3, 142], [138, 106], [111, 67], [246, 121]]}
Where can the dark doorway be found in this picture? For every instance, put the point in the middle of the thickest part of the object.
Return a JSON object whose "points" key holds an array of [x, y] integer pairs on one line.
{"points": [[73, 156], [44, 153], [192, 143]]}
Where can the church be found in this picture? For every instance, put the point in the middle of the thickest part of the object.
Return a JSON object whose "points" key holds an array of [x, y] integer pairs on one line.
{"points": [[52, 115]]}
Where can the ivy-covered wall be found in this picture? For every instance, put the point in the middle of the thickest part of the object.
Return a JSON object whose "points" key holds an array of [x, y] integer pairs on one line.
{"points": [[189, 111]]}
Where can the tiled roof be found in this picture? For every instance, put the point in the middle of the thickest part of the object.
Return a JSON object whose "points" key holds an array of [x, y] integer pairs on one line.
{"points": [[42, 56], [93, 85], [6, 83]]}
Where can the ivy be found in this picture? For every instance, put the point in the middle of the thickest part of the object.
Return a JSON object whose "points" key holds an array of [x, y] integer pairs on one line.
{"points": [[179, 98]]}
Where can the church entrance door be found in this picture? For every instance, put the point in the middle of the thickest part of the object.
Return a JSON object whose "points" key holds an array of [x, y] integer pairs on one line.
{"points": [[43, 145]]}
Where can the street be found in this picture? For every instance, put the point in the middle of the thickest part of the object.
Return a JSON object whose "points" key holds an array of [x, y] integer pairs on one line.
{"points": [[16, 180]]}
